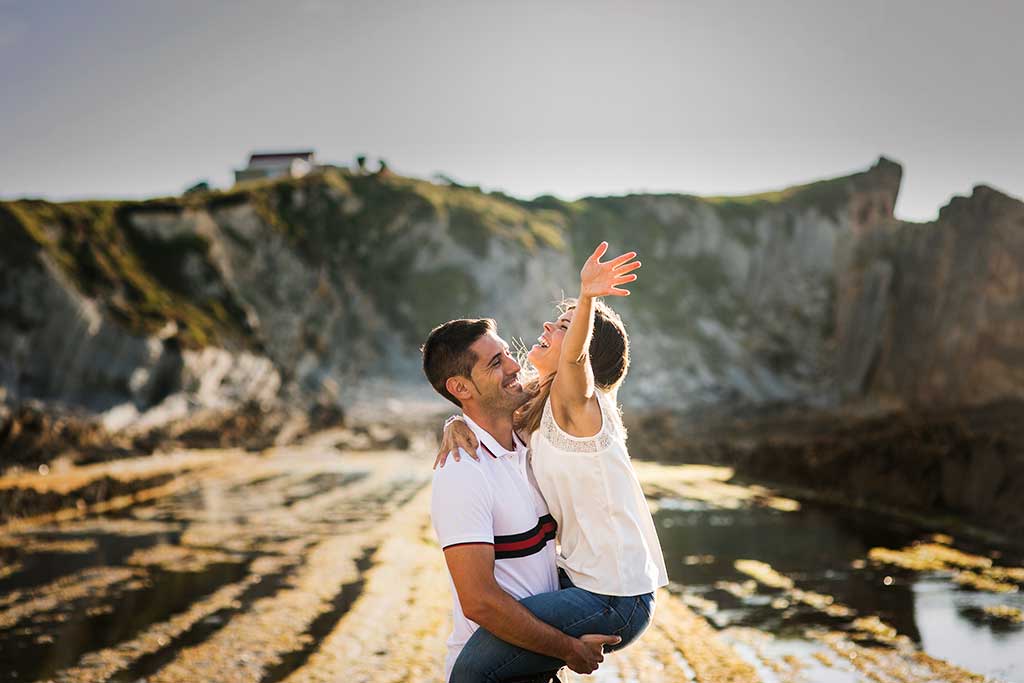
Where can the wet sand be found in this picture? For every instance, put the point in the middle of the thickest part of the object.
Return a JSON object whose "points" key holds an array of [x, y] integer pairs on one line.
{"points": [[312, 564]]}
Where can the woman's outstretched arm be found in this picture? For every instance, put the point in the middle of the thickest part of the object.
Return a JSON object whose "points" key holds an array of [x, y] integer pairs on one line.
{"points": [[572, 392]]}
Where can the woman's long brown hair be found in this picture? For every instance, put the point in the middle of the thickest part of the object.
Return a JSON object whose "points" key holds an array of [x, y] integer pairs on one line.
{"points": [[609, 361]]}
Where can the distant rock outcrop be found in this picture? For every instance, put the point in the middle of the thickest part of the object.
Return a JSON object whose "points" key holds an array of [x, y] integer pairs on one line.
{"points": [[933, 314]]}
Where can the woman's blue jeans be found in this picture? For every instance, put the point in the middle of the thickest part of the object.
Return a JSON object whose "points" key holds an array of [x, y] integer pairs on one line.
{"points": [[573, 611]]}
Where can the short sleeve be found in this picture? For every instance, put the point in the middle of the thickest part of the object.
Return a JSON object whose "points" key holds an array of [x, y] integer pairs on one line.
{"points": [[462, 503]]}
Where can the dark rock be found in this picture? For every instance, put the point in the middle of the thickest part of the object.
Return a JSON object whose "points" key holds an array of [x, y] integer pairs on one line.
{"points": [[18, 502], [32, 434], [967, 464]]}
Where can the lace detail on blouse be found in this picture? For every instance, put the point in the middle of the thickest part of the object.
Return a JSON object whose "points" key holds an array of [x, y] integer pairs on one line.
{"points": [[576, 444]]}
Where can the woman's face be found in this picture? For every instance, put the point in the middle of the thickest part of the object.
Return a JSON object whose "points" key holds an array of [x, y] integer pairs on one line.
{"points": [[545, 353]]}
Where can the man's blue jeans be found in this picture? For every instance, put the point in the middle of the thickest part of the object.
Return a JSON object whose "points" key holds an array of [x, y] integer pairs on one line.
{"points": [[571, 610]]}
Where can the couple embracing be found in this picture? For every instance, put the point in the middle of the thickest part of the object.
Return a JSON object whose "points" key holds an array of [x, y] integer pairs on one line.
{"points": [[552, 552]]}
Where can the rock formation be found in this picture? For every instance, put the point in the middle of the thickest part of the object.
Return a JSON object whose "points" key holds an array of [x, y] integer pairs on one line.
{"points": [[310, 290], [933, 314]]}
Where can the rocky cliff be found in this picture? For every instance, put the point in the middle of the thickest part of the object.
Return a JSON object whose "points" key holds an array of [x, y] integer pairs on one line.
{"points": [[320, 290], [933, 314]]}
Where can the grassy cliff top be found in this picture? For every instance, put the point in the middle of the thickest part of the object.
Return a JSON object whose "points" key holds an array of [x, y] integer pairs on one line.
{"points": [[146, 281]]}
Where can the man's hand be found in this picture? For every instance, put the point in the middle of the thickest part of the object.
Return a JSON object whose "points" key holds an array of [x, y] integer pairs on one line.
{"points": [[588, 652]]}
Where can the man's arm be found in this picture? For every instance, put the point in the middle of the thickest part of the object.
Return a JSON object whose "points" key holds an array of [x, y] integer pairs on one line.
{"points": [[483, 600]]}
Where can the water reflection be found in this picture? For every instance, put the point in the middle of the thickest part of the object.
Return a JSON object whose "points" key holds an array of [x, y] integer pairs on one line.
{"points": [[823, 550], [953, 622]]}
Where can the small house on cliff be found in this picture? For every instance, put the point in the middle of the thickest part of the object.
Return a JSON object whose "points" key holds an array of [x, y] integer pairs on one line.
{"points": [[277, 165]]}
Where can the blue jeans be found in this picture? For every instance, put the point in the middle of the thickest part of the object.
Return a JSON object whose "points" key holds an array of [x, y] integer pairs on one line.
{"points": [[573, 611]]}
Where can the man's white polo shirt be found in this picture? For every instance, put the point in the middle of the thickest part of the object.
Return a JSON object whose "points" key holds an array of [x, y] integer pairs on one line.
{"points": [[494, 501]]}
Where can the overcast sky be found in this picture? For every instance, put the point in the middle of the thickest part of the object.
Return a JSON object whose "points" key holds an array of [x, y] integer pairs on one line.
{"points": [[135, 98]]}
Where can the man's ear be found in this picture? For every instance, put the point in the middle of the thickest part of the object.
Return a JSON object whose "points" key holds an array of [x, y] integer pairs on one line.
{"points": [[458, 387]]}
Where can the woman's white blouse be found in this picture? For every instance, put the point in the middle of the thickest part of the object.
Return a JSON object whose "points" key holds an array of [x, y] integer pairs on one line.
{"points": [[608, 543]]}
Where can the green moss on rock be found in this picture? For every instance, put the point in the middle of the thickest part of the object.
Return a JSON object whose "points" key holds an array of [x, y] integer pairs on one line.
{"points": [[89, 242], [381, 231]]}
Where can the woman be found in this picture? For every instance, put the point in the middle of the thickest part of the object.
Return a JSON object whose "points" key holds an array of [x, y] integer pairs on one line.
{"points": [[608, 546]]}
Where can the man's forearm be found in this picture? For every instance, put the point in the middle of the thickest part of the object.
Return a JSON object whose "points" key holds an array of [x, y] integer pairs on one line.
{"points": [[504, 617]]}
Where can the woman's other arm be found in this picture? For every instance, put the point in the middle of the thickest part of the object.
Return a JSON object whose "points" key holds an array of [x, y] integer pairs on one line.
{"points": [[457, 434]]}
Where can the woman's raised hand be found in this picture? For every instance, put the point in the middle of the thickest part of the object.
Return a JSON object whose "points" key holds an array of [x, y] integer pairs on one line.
{"points": [[603, 279], [457, 434]]}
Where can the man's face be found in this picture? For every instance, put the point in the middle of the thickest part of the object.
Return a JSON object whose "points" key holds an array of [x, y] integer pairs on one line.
{"points": [[496, 375]]}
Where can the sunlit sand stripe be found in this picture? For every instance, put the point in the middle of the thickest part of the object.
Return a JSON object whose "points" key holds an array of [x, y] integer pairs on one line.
{"points": [[635, 663], [650, 659], [649, 471], [248, 645], [970, 570], [396, 630], [27, 545], [126, 527], [180, 558], [854, 655], [100, 666], [91, 583], [117, 503], [10, 598], [127, 469], [708, 484], [215, 481], [948, 672], [766, 575], [664, 662], [929, 556], [1006, 574], [711, 659], [700, 604], [1005, 612], [303, 517], [199, 469], [823, 658], [367, 503], [983, 583], [899, 665], [191, 467], [8, 569], [750, 644]]}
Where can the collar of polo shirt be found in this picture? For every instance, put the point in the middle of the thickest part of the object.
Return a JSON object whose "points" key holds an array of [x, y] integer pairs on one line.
{"points": [[490, 443]]}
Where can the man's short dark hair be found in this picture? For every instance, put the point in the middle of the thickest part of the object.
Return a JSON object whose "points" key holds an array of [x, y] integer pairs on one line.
{"points": [[446, 352]]}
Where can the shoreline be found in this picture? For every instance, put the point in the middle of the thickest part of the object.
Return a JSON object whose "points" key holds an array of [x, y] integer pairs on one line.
{"points": [[944, 467], [941, 468]]}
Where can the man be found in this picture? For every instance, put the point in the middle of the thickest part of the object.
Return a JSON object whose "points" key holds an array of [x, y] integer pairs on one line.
{"points": [[490, 519]]}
